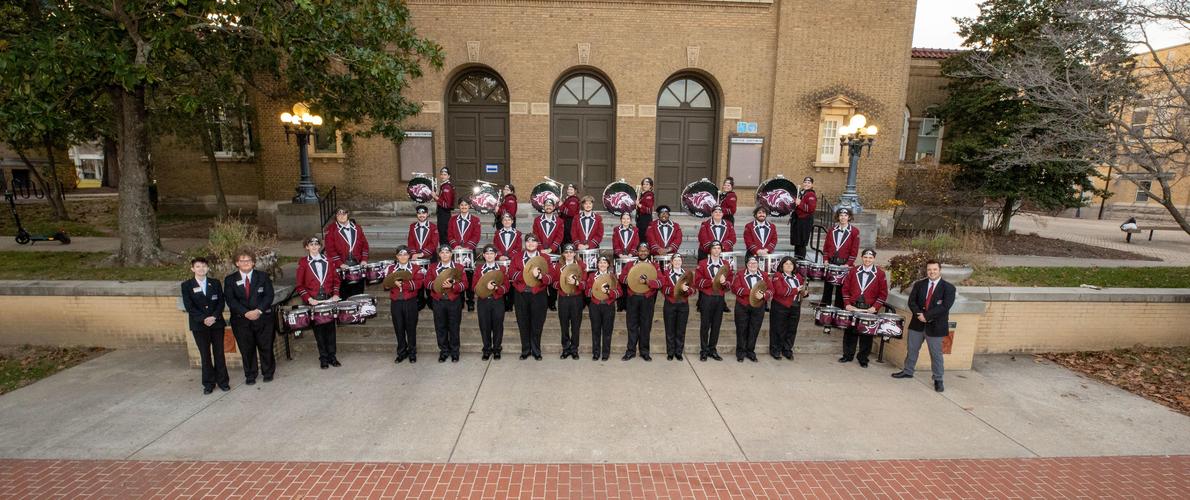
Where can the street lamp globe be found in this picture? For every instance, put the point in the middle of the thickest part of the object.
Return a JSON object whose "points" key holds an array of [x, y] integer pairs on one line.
{"points": [[857, 121]]}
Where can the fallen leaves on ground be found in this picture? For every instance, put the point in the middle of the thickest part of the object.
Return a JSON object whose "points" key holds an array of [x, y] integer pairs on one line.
{"points": [[24, 365], [1160, 374]]}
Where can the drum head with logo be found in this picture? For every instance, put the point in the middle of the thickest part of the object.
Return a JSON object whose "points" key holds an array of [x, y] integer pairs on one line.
{"points": [[543, 192], [421, 188], [700, 197], [777, 196], [619, 198], [485, 199]]}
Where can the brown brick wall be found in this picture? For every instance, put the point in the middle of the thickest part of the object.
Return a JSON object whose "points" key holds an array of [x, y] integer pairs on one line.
{"points": [[1080, 326], [92, 321]]}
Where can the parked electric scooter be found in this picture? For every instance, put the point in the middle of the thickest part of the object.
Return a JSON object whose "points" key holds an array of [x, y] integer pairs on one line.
{"points": [[23, 236]]}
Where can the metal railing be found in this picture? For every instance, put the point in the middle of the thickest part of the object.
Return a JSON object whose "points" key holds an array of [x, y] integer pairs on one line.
{"points": [[327, 204]]}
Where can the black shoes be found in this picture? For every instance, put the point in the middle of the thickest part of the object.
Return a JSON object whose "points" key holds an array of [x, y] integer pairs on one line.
{"points": [[413, 358], [595, 357], [564, 355], [739, 359], [400, 358], [454, 358], [715, 356], [207, 390], [268, 378], [470, 307], [646, 357], [702, 356], [788, 355], [902, 374], [334, 362], [324, 365], [845, 359], [524, 356], [751, 357], [669, 357], [678, 356], [537, 357], [496, 355], [487, 356], [225, 388], [938, 386], [863, 364], [775, 354], [628, 356], [442, 358], [604, 357], [250, 381]]}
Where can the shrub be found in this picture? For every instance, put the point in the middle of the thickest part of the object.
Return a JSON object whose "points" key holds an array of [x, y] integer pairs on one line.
{"points": [[229, 236]]}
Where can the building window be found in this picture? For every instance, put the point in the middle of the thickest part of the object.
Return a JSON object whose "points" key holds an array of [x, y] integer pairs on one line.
{"points": [[479, 87], [328, 140], [685, 93], [583, 90], [828, 140], [1140, 121], [232, 137], [904, 135], [1142, 191], [88, 164], [929, 139]]}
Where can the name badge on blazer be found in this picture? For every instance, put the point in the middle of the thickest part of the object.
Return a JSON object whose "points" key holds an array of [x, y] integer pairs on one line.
{"points": [[215, 297], [241, 282], [260, 290], [197, 289]]}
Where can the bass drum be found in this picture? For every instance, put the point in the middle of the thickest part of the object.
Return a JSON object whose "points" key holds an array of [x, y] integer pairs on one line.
{"points": [[421, 188], [777, 196], [700, 197], [619, 198], [485, 199], [543, 192]]}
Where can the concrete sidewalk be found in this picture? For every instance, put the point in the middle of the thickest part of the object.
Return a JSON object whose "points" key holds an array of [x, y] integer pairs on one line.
{"points": [[139, 404]]}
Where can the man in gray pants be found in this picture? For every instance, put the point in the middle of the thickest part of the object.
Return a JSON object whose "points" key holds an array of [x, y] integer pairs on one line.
{"points": [[930, 302]]}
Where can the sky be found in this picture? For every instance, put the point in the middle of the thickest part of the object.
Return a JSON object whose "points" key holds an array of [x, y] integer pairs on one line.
{"points": [[935, 26]]}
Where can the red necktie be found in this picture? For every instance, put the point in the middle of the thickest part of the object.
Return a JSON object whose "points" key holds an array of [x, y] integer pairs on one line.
{"points": [[247, 287], [929, 295]]}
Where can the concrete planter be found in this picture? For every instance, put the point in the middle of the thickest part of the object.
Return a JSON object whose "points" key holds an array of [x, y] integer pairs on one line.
{"points": [[956, 273]]}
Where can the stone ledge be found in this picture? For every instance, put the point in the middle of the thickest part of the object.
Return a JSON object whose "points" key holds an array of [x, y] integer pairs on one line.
{"points": [[963, 304], [84, 288], [1076, 294]]}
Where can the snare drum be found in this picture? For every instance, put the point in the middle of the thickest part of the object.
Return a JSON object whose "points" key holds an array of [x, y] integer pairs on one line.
{"points": [[464, 257], [803, 267], [351, 274], [622, 262], [664, 262], [867, 323], [591, 257], [554, 258], [367, 304], [384, 266], [347, 313], [825, 315], [323, 314], [768, 263], [297, 318], [374, 272], [844, 318], [835, 274], [506, 263], [734, 257], [891, 325], [817, 271]]}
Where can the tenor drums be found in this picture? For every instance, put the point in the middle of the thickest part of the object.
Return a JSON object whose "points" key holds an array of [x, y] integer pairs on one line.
{"points": [[777, 196], [734, 256], [891, 325], [347, 313], [835, 274], [768, 263], [351, 274], [844, 318], [803, 267], [817, 271], [421, 188], [591, 257], [825, 315], [622, 262], [385, 265], [297, 318], [619, 197], [374, 272], [322, 314], [367, 304], [867, 323], [485, 198], [465, 257]]}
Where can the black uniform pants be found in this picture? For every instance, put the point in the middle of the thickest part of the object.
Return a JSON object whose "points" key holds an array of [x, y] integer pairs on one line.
{"points": [[832, 295], [404, 314], [710, 319], [570, 315], [324, 336], [799, 234], [851, 337], [642, 225], [447, 316], [675, 315], [530, 320], [566, 223], [210, 350], [443, 224], [491, 324], [640, 322], [747, 328], [603, 317], [255, 339], [469, 293], [783, 327]]}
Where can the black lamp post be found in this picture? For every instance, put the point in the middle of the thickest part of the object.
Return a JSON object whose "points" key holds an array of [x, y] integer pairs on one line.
{"points": [[856, 135], [301, 124]]}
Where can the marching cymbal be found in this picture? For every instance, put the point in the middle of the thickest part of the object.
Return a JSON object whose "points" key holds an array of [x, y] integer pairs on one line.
{"points": [[603, 279], [440, 281], [481, 288], [571, 270], [641, 269], [538, 262], [760, 286], [724, 271], [391, 280], [687, 279]]}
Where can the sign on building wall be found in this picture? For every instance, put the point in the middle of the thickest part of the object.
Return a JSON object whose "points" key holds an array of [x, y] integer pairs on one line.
{"points": [[416, 153], [744, 156]]}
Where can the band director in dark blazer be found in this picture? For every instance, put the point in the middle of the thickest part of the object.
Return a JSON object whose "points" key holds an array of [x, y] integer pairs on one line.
{"points": [[250, 299], [930, 302], [203, 299]]}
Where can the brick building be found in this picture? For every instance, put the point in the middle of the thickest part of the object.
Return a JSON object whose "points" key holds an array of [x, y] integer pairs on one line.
{"points": [[590, 92]]}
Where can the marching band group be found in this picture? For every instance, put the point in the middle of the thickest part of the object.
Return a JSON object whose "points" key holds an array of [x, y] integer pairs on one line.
{"points": [[559, 264]]}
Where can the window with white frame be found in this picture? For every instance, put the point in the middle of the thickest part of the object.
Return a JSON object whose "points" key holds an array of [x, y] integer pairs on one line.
{"points": [[328, 140], [929, 139], [88, 161], [828, 139], [232, 137], [1142, 191], [1140, 120]]}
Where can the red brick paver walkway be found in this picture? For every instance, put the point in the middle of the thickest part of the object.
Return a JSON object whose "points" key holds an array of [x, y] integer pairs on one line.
{"points": [[1097, 477]]}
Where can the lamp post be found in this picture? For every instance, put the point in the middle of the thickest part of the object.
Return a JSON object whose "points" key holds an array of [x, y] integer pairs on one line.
{"points": [[301, 124], [855, 136]]}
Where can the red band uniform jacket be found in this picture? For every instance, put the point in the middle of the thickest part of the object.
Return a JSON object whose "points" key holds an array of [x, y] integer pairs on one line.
{"points": [[316, 279], [875, 293], [708, 232], [408, 291], [345, 244]]}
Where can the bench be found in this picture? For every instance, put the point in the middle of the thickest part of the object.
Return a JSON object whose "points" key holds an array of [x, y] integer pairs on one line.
{"points": [[1150, 229]]}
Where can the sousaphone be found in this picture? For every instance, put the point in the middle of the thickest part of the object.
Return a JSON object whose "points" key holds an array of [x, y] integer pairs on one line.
{"points": [[495, 277], [777, 195], [550, 190], [440, 282], [602, 287], [700, 197], [570, 271], [640, 270], [538, 262], [619, 198]]}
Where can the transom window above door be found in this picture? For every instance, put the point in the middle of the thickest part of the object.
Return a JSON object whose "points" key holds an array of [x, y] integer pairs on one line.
{"points": [[479, 87], [685, 93], [583, 90]]}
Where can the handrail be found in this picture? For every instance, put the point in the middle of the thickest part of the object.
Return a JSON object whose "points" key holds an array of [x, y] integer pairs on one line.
{"points": [[327, 204]]}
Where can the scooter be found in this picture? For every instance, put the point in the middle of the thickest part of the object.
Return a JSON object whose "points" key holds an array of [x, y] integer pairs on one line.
{"points": [[23, 236]]}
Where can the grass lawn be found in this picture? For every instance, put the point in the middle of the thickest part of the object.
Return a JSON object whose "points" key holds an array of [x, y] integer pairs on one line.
{"points": [[1128, 277], [24, 365], [90, 218], [86, 266]]}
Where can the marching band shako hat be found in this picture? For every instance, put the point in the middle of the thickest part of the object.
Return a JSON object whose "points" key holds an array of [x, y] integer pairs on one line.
{"points": [[489, 248], [867, 252], [843, 211], [443, 248], [421, 209], [312, 239], [569, 247], [663, 208]]}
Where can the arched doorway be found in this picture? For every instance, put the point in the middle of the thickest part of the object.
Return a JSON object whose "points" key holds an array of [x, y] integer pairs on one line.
{"points": [[687, 129], [477, 128], [582, 132]]}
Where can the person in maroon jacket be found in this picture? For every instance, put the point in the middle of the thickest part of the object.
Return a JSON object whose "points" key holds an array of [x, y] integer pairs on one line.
{"points": [[587, 228], [423, 236], [801, 221], [491, 309], [603, 312], [444, 199], [569, 210], [711, 302], [530, 301], [464, 232], [506, 239], [507, 206], [748, 318], [842, 247], [664, 236], [549, 228], [346, 245], [728, 201], [625, 240], [788, 288], [865, 289], [404, 305], [676, 309], [640, 306], [760, 235], [717, 228], [644, 205], [448, 306], [570, 306], [317, 282]]}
